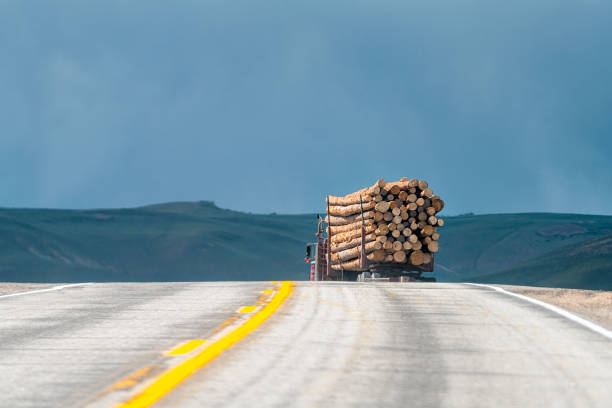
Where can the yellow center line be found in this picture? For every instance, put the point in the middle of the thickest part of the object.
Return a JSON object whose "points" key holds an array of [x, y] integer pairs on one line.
{"points": [[247, 309], [186, 348], [175, 375]]}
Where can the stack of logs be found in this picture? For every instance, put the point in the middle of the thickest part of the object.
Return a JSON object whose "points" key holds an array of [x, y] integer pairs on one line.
{"points": [[397, 221]]}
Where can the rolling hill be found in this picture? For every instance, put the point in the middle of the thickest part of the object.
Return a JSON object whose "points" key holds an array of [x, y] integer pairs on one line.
{"points": [[188, 241]]}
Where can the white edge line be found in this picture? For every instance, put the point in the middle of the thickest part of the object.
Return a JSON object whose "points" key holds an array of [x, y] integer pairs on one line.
{"points": [[60, 287], [586, 323]]}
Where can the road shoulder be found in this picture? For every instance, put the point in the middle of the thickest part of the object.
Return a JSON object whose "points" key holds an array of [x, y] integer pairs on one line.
{"points": [[594, 305]]}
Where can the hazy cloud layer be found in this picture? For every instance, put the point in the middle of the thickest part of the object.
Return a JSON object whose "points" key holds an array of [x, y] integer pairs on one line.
{"points": [[269, 106]]}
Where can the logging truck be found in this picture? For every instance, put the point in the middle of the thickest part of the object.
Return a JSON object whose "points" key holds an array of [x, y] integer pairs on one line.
{"points": [[318, 257]]}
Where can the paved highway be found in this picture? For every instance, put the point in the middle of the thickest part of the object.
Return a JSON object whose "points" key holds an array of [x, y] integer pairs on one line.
{"points": [[325, 344]]}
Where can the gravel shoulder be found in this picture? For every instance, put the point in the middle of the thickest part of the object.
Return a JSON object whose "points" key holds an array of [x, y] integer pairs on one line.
{"points": [[595, 305], [6, 288]]}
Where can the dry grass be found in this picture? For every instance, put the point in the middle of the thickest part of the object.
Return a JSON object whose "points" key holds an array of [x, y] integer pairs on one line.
{"points": [[8, 288], [594, 305]]}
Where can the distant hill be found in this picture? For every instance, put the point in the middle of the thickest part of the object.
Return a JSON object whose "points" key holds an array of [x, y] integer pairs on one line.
{"points": [[586, 265], [199, 241]]}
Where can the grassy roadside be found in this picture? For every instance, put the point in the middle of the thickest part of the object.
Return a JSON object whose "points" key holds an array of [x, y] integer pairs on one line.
{"points": [[595, 305]]}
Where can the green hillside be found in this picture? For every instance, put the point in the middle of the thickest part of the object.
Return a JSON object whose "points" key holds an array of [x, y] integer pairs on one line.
{"points": [[586, 265], [199, 241]]}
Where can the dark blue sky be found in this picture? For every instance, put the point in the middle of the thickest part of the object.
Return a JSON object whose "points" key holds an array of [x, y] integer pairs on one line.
{"points": [[269, 106]]}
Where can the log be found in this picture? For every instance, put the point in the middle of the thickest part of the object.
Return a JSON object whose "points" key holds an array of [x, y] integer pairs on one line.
{"points": [[350, 235], [432, 220], [353, 198], [438, 205], [413, 239], [416, 258], [417, 245], [412, 198], [348, 227], [430, 211], [433, 247], [387, 216], [420, 201], [407, 245], [397, 246], [399, 256], [427, 230], [435, 236], [440, 222], [334, 220], [355, 265], [349, 254], [378, 216], [423, 184], [346, 210], [382, 206], [352, 244], [427, 258]]}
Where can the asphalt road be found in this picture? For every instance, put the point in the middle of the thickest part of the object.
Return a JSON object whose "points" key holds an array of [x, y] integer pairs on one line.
{"points": [[329, 344]]}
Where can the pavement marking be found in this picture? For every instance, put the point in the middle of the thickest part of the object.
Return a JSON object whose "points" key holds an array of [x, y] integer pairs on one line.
{"points": [[45, 290], [588, 324], [247, 309], [133, 378], [177, 374], [268, 291], [186, 347]]}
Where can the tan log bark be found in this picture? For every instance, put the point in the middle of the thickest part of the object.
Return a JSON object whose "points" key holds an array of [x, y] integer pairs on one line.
{"points": [[335, 220], [348, 227], [427, 230], [351, 244], [438, 205], [355, 265], [428, 192], [346, 210], [382, 206], [399, 256], [353, 198], [381, 238], [352, 253], [416, 258], [350, 235]]}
